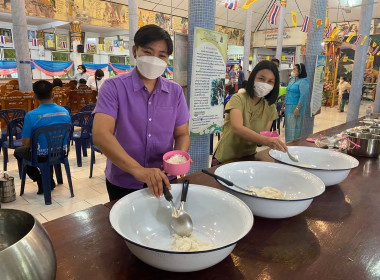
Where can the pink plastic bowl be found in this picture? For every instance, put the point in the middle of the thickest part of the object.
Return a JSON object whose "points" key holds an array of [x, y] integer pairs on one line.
{"points": [[176, 169], [270, 134]]}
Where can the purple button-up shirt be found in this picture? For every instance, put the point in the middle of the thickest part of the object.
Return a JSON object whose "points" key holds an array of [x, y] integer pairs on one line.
{"points": [[144, 123]]}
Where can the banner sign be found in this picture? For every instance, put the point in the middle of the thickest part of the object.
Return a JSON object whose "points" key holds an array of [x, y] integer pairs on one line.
{"points": [[207, 82]]}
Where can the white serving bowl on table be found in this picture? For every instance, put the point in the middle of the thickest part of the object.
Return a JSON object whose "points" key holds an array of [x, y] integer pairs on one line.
{"points": [[329, 165], [298, 186], [219, 218]]}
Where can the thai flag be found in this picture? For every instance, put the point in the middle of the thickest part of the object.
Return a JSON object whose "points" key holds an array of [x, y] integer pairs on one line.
{"points": [[305, 26], [274, 14], [3, 40], [111, 48], [63, 45], [344, 35], [231, 4], [88, 47], [34, 42], [328, 31], [358, 40], [376, 50]]}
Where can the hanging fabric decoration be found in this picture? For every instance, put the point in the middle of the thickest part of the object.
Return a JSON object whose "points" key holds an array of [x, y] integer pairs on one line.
{"points": [[305, 26], [52, 68], [336, 30], [231, 4], [91, 68], [168, 70], [378, 53], [357, 40], [34, 42], [344, 35], [294, 18], [374, 44], [9, 67], [370, 45], [247, 4], [328, 31], [318, 22], [118, 68], [274, 14], [350, 37], [376, 50], [3, 40], [365, 38], [345, 59]]}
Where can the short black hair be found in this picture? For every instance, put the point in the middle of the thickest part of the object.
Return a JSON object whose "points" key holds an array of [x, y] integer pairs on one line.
{"points": [[152, 33], [82, 82], [99, 73], [57, 82], [265, 64], [301, 70], [240, 67], [43, 90], [275, 60], [83, 67]]}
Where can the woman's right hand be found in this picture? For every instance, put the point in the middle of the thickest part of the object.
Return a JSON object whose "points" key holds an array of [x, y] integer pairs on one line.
{"points": [[153, 177], [276, 144]]}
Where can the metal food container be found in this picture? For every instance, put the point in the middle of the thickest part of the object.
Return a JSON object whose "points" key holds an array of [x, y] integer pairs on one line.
{"points": [[369, 144], [375, 131], [26, 251]]}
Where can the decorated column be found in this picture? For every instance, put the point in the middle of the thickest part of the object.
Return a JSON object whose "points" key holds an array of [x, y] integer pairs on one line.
{"points": [[313, 49], [20, 38], [247, 41], [76, 39], [133, 26], [376, 104], [297, 56], [201, 14], [280, 35], [360, 60]]}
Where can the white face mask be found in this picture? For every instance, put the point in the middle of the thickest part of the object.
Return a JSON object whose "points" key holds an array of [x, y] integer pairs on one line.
{"points": [[80, 71], [262, 89], [293, 74], [151, 67]]}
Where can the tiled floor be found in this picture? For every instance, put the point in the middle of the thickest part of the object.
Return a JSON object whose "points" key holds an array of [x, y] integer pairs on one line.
{"points": [[89, 192]]}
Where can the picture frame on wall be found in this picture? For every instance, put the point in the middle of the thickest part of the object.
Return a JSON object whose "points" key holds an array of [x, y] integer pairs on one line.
{"points": [[49, 41], [7, 33], [93, 49], [83, 36], [31, 35], [62, 42]]}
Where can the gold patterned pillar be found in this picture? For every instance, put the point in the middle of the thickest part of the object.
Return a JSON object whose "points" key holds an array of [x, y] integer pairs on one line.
{"points": [[76, 39]]}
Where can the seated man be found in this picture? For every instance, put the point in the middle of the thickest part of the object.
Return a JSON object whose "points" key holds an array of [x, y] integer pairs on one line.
{"points": [[46, 114]]}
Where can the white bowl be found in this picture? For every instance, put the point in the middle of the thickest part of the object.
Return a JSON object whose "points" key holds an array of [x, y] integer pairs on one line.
{"points": [[329, 165], [299, 187], [218, 218]]}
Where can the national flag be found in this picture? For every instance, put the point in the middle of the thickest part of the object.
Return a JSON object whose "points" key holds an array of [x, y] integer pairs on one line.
{"points": [[231, 4], [365, 38], [63, 45], [247, 4], [344, 35], [305, 26], [357, 40], [336, 30], [370, 45], [88, 47], [294, 18], [110, 48], [376, 50], [34, 42], [274, 14], [3, 40], [328, 31], [350, 37]]}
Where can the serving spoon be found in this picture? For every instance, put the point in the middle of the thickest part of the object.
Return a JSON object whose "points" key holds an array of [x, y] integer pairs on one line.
{"points": [[181, 222], [293, 158]]}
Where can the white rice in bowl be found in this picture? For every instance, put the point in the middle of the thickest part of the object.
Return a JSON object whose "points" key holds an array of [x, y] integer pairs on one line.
{"points": [[268, 192], [189, 244], [177, 159]]}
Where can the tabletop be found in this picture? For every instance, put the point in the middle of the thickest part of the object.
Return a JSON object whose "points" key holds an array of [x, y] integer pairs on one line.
{"points": [[337, 237]]}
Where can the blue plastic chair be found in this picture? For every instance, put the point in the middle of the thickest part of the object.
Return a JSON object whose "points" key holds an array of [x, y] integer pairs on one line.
{"points": [[6, 116], [68, 108], [82, 138], [92, 159], [14, 138], [88, 108], [58, 151]]}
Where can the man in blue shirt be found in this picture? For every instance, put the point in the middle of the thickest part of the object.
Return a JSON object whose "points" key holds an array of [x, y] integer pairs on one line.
{"points": [[46, 114], [231, 77], [240, 77]]}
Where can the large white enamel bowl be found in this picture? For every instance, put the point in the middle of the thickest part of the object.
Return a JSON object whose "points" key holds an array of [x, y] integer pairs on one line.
{"points": [[218, 218], [329, 165], [298, 186]]}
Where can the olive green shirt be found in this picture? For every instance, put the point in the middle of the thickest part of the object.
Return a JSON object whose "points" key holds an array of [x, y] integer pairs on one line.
{"points": [[255, 117]]}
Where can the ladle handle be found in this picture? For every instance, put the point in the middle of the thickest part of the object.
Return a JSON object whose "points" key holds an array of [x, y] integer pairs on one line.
{"points": [[229, 183], [167, 194], [185, 188]]}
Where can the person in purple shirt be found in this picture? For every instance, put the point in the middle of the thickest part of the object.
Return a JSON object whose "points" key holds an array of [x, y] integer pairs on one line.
{"points": [[139, 116]]}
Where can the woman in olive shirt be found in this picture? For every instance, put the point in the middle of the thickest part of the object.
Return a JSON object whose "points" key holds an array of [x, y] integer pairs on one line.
{"points": [[249, 112]]}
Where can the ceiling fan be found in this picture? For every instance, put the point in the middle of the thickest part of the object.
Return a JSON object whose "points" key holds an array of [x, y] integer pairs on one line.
{"points": [[347, 8]]}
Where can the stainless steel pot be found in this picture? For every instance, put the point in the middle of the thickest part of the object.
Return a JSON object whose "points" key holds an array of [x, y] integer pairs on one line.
{"points": [[369, 144], [26, 251]]}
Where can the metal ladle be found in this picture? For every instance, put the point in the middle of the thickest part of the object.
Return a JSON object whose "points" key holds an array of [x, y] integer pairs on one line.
{"points": [[293, 158], [181, 222]]}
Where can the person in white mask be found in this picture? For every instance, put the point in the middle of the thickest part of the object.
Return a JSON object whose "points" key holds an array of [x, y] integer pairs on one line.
{"points": [[139, 116], [82, 74], [249, 112]]}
